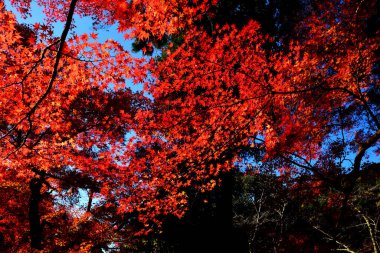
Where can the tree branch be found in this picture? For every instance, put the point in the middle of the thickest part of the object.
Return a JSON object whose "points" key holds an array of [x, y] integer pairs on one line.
{"points": [[330, 237], [58, 56], [363, 148], [55, 68]]}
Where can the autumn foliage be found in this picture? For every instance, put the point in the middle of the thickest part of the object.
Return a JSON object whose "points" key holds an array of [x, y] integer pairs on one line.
{"points": [[88, 164]]}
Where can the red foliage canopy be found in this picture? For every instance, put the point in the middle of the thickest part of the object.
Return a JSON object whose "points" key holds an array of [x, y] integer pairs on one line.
{"points": [[66, 111]]}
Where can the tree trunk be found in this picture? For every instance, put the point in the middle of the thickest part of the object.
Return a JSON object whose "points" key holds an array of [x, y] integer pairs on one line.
{"points": [[34, 216]]}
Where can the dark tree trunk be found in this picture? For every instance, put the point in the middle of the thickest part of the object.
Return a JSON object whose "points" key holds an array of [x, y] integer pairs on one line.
{"points": [[2, 242], [34, 215]]}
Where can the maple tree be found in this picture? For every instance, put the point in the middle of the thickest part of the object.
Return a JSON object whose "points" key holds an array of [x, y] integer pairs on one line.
{"points": [[64, 104], [310, 108], [227, 96], [215, 97]]}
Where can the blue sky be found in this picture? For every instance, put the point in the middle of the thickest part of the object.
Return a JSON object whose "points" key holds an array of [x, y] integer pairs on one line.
{"points": [[83, 25]]}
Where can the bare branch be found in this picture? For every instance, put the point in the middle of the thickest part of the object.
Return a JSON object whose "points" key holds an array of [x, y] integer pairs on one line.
{"points": [[331, 238], [363, 148], [370, 230]]}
